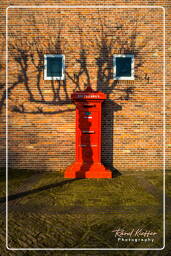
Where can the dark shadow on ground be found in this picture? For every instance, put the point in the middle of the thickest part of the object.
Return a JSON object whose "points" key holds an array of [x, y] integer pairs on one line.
{"points": [[115, 172], [36, 190]]}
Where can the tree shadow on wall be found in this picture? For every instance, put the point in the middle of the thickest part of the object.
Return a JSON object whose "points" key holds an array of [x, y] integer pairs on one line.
{"points": [[105, 83], [108, 85], [23, 57], [26, 53]]}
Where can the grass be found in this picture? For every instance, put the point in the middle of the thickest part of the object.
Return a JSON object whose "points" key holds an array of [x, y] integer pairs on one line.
{"points": [[96, 192], [57, 212]]}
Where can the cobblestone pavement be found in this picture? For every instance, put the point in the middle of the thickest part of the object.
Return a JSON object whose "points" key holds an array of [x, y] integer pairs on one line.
{"points": [[47, 211]]}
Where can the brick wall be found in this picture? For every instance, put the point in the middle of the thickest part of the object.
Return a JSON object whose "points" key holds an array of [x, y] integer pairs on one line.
{"points": [[40, 113]]}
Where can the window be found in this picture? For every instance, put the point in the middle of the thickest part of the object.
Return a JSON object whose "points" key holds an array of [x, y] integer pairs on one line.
{"points": [[54, 66], [123, 67]]}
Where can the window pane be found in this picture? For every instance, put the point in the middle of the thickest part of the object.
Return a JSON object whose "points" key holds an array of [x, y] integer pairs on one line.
{"points": [[54, 66], [123, 66]]}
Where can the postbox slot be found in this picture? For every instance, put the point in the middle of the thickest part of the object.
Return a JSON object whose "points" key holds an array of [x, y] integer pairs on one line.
{"points": [[88, 113], [89, 105], [88, 132], [88, 145]]}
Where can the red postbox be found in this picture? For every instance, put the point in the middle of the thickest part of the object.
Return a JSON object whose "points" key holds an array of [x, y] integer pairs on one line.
{"points": [[88, 136]]}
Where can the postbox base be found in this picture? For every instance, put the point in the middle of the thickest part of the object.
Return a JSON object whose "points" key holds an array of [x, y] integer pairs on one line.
{"points": [[87, 170]]}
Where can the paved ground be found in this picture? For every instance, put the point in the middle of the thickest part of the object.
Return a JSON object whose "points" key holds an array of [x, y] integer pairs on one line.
{"points": [[48, 211]]}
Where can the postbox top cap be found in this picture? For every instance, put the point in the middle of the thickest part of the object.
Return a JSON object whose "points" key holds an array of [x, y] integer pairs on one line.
{"points": [[88, 94]]}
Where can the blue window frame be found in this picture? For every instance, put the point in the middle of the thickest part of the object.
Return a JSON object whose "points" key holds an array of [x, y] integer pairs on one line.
{"points": [[54, 66]]}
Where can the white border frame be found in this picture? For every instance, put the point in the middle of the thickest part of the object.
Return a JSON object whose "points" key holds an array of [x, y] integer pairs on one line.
{"points": [[164, 122], [114, 67], [45, 67]]}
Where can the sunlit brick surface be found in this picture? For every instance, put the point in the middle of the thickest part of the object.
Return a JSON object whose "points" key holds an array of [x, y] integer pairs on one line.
{"points": [[40, 113]]}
